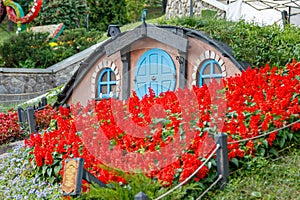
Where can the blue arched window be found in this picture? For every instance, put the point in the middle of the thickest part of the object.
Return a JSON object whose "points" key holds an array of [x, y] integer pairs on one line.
{"points": [[210, 69], [106, 83]]}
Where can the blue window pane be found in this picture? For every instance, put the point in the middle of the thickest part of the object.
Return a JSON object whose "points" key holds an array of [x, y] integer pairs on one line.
{"points": [[209, 70], [106, 83]]}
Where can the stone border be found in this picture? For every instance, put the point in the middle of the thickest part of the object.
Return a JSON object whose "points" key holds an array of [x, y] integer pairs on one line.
{"points": [[100, 66], [205, 56]]}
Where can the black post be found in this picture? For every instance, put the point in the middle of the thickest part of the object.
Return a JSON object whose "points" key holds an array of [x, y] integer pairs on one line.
{"points": [[285, 17], [21, 115], [44, 101], [191, 8], [222, 158], [31, 119], [91, 178]]}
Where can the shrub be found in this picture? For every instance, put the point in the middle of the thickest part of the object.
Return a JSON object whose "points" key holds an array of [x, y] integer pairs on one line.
{"points": [[134, 9], [9, 129], [32, 50], [105, 12], [251, 43], [70, 12], [25, 46]]}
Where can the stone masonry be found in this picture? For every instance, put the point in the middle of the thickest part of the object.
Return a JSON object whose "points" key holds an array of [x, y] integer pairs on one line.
{"points": [[181, 8]]}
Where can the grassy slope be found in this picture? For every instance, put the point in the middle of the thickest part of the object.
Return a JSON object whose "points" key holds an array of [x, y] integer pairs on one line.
{"points": [[275, 179]]}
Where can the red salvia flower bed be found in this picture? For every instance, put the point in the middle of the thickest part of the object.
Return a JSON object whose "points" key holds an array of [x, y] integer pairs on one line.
{"points": [[124, 135]]}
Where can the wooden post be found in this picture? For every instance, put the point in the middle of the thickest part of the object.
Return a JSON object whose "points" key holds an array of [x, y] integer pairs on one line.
{"points": [[182, 59], [222, 158], [125, 75]]}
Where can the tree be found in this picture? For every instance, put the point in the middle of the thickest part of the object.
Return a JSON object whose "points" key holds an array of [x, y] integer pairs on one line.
{"points": [[134, 9], [70, 12], [105, 12]]}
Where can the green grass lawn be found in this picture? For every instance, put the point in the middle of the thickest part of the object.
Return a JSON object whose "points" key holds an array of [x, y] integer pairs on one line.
{"points": [[274, 179]]}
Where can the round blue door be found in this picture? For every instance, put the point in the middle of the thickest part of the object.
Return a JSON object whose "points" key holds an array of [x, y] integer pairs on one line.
{"points": [[156, 70]]}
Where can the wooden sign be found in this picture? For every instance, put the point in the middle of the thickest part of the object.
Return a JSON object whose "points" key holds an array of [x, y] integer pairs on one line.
{"points": [[72, 178]]}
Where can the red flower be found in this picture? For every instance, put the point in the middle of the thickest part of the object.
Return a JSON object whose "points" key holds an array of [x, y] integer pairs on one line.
{"points": [[271, 138], [48, 158]]}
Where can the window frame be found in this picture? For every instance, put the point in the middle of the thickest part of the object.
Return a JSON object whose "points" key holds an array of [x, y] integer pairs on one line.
{"points": [[109, 83], [209, 63]]}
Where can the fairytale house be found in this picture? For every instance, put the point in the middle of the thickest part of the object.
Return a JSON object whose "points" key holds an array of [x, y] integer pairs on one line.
{"points": [[161, 57]]}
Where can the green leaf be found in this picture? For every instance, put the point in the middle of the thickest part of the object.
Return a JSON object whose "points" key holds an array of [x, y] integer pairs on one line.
{"points": [[274, 151], [256, 194], [209, 165], [235, 162], [290, 135], [282, 142], [262, 152], [56, 170], [49, 171], [265, 143], [44, 169], [213, 162]]}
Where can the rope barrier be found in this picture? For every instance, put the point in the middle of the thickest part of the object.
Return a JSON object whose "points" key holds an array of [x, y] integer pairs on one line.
{"points": [[193, 174], [212, 185], [265, 134]]}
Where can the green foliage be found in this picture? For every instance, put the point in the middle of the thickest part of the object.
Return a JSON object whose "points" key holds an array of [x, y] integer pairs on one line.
{"points": [[250, 43], [25, 45], [265, 180], [2, 63], [25, 4], [70, 12], [32, 50], [52, 95], [153, 2], [105, 12], [80, 39], [138, 182], [134, 9]]}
